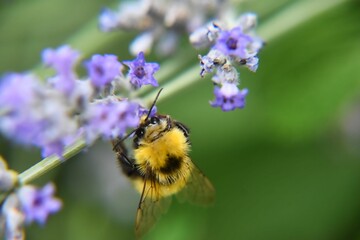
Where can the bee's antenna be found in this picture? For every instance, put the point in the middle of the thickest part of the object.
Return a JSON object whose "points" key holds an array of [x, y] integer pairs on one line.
{"points": [[127, 135], [153, 104], [148, 115], [120, 140]]}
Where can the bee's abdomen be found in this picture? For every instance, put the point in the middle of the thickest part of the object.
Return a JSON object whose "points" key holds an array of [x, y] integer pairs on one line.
{"points": [[175, 170]]}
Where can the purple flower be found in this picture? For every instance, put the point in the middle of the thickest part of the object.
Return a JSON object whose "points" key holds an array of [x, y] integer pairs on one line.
{"points": [[141, 72], [38, 204], [18, 94], [233, 43], [210, 61], [103, 69], [34, 114], [110, 119], [252, 63], [62, 60], [145, 111], [17, 90], [229, 97], [56, 147], [107, 20]]}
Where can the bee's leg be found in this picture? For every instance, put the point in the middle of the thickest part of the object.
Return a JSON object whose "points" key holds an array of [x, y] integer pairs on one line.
{"points": [[127, 165]]}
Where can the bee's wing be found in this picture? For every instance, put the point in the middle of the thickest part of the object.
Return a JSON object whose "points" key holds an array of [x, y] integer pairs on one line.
{"points": [[151, 206], [198, 189]]}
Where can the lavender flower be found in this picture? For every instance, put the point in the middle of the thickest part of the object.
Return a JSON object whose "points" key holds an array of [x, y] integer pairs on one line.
{"points": [[52, 116], [145, 111], [205, 36], [103, 69], [232, 47], [62, 60], [229, 97], [233, 43], [251, 63], [211, 61], [18, 100], [34, 114], [160, 22], [141, 72], [108, 20], [38, 204], [110, 118]]}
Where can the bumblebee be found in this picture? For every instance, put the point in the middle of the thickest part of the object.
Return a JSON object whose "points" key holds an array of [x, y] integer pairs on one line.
{"points": [[161, 167]]}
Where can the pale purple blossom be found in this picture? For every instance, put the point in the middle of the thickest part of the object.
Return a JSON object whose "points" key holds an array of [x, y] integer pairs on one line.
{"points": [[144, 111], [142, 72], [18, 102], [110, 119], [233, 43], [51, 117], [103, 69], [108, 20], [251, 63], [38, 204], [35, 114], [156, 19], [229, 97], [231, 47], [63, 60]]}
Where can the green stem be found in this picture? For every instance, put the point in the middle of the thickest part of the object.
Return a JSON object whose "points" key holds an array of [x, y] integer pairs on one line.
{"points": [[50, 163], [294, 15]]}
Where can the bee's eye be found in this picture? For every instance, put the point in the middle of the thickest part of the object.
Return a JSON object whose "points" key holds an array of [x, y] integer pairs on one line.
{"points": [[140, 132], [154, 120]]}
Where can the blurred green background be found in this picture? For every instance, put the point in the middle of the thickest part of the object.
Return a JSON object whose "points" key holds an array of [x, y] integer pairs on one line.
{"points": [[285, 167]]}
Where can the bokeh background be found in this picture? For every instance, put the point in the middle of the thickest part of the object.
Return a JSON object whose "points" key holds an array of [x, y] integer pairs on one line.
{"points": [[287, 167]]}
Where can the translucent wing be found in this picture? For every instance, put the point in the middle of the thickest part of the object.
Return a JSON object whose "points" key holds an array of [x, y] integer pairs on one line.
{"points": [[198, 189], [151, 207]]}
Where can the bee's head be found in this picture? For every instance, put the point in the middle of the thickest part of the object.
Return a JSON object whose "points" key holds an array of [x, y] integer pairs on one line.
{"points": [[151, 129]]}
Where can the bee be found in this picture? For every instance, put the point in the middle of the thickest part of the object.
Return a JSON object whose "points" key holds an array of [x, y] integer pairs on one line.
{"points": [[161, 167]]}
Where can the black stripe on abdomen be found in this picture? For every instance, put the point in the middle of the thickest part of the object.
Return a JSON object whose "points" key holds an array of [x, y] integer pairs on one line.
{"points": [[172, 165]]}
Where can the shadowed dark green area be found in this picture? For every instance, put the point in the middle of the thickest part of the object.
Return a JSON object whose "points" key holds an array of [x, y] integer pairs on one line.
{"points": [[287, 167]]}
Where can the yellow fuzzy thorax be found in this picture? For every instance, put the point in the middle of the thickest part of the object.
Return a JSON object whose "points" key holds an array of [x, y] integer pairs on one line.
{"points": [[154, 154]]}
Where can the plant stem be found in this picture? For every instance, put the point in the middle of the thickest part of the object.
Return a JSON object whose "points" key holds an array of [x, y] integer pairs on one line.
{"points": [[294, 15], [50, 163]]}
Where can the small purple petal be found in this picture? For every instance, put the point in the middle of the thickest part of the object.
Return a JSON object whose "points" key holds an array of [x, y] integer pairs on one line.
{"points": [[107, 20], [229, 97], [252, 63], [233, 43], [17, 90], [62, 60], [141, 72], [103, 69], [56, 148], [110, 119], [35, 114], [18, 94], [38, 204], [145, 111]]}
